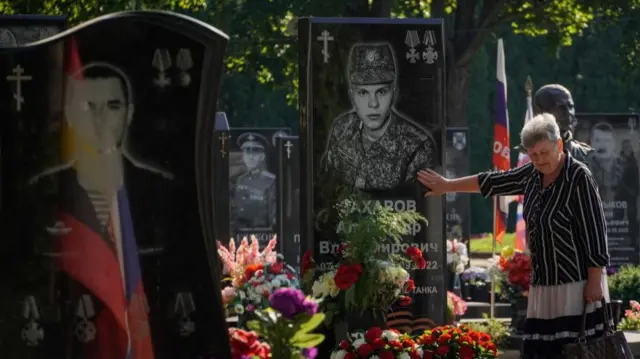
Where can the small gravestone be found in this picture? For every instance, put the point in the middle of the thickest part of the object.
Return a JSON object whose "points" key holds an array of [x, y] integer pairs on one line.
{"points": [[19, 30], [288, 199], [252, 182], [372, 115], [221, 177], [105, 195], [457, 204], [456, 166], [615, 139]]}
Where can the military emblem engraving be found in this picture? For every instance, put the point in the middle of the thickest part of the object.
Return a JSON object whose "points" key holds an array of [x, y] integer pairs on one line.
{"points": [[32, 333], [430, 55], [162, 62], [459, 140], [412, 40]]}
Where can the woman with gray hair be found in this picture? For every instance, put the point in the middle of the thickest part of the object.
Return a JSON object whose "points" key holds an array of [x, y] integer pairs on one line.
{"points": [[566, 236]]}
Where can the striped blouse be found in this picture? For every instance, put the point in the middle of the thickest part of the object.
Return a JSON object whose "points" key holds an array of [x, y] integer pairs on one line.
{"points": [[566, 226]]}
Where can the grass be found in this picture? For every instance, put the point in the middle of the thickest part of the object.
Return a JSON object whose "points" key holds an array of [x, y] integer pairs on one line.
{"points": [[483, 245]]}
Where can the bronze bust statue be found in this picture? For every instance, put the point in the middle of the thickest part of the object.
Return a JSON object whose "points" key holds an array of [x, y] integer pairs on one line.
{"points": [[556, 100]]}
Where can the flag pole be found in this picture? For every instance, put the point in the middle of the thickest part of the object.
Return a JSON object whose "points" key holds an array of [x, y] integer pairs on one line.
{"points": [[492, 303]]}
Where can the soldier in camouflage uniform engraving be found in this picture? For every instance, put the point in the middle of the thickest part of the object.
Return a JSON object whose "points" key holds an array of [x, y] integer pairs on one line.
{"points": [[556, 100], [254, 198], [373, 146]]}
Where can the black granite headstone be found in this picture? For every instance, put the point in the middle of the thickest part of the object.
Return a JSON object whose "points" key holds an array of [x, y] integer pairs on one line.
{"points": [[615, 139], [221, 177], [18, 30], [105, 193], [288, 199], [372, 114], [457, 165], [252, 181]]}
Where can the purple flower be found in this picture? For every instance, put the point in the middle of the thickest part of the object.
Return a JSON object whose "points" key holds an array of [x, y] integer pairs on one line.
{"points": [[287, 301], [310, 353], [310, 307]]}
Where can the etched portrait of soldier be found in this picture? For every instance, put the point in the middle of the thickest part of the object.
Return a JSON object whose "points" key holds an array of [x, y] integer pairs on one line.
{"points": [[373, 146], [603, 161], [253, 195], [94, 229]]}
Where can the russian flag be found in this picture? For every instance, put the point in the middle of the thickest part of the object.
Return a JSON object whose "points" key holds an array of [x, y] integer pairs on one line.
{"points": [[501, 150], [523, 158]]}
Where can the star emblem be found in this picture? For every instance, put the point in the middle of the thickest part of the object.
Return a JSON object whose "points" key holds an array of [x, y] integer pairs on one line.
{"points": [[371, 55]]}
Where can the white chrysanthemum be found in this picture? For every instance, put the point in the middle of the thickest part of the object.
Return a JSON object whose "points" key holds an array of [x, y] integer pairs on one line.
{"points": [[338, 355], [390, 335], [374, 357], [319, 289], [238, 309], [358, 342], [404, 355], [420, 352]]}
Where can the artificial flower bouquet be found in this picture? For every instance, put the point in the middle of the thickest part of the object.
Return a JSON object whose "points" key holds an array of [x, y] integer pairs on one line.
{"points": [[631, 320], [246, 345], [253, 292], [475, 276], [365, 278], [516, 266], [377, 343], [287, 324], [456, 342], [457, 256], [456, 305], [446, 342], [235, 260]]}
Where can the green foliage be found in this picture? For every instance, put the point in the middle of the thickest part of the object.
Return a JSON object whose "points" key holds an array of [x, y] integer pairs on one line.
{"points": [[625, 284], [498, 330], [287, 337]]}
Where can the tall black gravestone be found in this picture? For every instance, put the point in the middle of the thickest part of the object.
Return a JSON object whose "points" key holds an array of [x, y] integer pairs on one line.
{"points": [[252, 182], [615, 139], [106, 203], [18, 30], [288, 199], [221, 177], [372, 112]]}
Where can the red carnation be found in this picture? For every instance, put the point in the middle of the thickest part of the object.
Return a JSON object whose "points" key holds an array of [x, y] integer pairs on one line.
{"points": [[428, 354], [443, 350], [372, 334], [409, 286], [386, 354], [405, 300], [306, 262], [365, 350], [466, 352], [413, 252], [276, 268], [420, 262], [344, 345], [347, 275]]}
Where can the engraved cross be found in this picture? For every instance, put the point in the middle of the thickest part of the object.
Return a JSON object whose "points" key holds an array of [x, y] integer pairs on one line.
{"points": [[288, 145], [325, 37], [223, 140], [17, 77]]}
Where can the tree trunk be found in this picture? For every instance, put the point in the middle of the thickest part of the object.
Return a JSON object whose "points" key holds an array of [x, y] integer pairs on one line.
{"points": [[457, 82]]}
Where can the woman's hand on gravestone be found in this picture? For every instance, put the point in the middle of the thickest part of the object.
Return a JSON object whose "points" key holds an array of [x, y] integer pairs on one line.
{"points": [[435, 183]]}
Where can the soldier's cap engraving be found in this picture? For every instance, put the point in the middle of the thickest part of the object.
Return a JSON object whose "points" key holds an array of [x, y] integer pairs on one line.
{"points": [[252, 140], [371, 64]]}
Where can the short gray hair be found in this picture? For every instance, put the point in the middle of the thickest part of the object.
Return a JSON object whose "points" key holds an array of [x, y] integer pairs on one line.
{"points": [[541, 127]]}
